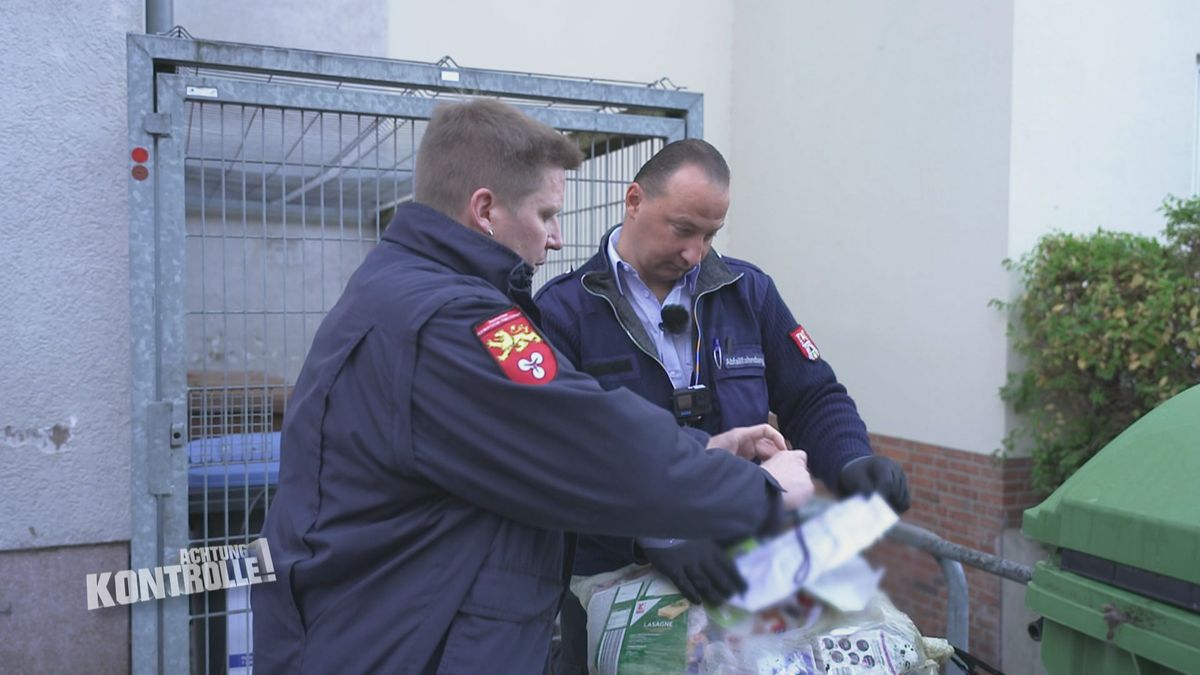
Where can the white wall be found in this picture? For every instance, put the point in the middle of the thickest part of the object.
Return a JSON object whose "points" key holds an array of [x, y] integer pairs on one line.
{"points": [[870, 179], [1104, 114], [64, 275], [343, 26], [631, 40]]}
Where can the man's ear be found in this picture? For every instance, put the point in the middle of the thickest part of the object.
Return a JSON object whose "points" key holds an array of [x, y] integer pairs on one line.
{"points": [[478, 214], [634, 198]]}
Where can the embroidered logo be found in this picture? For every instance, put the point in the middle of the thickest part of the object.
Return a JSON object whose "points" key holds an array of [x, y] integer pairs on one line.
{"points": [[533, 366], [807, 347], [516, 338], [520, 351]]}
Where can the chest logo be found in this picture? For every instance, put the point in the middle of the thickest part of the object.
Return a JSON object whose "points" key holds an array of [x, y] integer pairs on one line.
{"points": [[517, 347], [807, 347]]}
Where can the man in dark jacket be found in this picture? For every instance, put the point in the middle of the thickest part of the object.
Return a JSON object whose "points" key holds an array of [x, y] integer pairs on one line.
{"points": [[657, 312], [436, 445]]}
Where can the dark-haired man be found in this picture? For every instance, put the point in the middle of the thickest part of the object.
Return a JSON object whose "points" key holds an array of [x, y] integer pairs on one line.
{"points": [[707, 337], [435, 447]]}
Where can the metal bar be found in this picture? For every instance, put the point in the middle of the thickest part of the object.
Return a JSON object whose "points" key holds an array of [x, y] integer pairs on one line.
{"points": [[204, 276], [368, 70], [378, 195], [325, 179], [160, 15], [920, 538], [359, 191], [170, 252], [695, 119], [265, 295], [958, 604], [144, 617], [384, 104], [284, 267], [341, 204], [303, 245]]}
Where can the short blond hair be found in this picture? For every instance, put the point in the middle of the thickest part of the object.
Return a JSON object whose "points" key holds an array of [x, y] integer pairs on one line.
{"points": [[485, 144]]}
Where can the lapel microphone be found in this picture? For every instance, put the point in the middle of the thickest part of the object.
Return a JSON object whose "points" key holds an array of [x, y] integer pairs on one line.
{"points": [[674, 318]]}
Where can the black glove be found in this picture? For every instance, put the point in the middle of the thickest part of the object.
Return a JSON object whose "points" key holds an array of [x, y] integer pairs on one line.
{"points": [[876, 474], [700, 569]]}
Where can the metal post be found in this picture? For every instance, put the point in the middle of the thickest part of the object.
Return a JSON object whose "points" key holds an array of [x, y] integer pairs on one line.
{"points": [[958, 604], [160, 16], [958, 620]]}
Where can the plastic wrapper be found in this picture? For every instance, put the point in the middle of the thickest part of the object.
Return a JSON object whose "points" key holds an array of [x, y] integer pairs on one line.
{"points": [[638, 623]]}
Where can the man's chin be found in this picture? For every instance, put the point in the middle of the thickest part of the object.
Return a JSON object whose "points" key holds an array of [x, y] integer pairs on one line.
{"points": [[670, 275]]}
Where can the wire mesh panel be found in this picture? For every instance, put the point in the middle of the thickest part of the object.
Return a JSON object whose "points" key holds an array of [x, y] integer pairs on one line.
{"points": [[594, 197], [281, 206]]}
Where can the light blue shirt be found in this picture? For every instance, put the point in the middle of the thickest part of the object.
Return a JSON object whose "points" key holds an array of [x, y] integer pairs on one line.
{"points": [[675, 350]]}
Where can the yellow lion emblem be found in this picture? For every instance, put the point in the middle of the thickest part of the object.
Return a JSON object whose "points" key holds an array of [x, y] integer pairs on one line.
{"points": [[518, 340]]}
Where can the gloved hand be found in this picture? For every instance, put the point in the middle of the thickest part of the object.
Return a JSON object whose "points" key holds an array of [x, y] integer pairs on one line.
{"points": [[700, 569], [875, 474]]}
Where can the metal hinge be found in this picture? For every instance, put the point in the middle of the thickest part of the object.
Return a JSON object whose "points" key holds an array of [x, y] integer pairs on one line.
{"points": [[157, 124], [163, 435]]}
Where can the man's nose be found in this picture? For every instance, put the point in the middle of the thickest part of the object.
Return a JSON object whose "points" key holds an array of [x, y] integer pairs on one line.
{"points": [[693, 253], [554, 240]]}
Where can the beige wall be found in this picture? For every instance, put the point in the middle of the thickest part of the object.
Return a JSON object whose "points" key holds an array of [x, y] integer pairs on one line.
{"points": [[871, 167], [343, 26], [635, 40], [64, 275], [1104, 114]]}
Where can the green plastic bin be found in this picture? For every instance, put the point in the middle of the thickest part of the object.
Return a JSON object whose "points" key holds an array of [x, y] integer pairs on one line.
{"points": [[1121, 595]]}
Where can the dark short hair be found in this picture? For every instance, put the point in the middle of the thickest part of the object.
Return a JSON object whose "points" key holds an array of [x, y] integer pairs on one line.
{"points": [[485, 144], [655, 173]]}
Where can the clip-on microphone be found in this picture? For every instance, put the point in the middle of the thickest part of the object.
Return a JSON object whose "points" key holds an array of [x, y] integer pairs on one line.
{"points": [[674, 318]]}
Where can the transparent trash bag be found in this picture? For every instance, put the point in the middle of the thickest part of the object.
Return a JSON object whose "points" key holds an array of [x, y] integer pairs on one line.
{"points": [[638, 623]]}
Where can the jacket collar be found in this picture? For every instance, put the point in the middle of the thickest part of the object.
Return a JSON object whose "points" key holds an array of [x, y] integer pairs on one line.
{"points": [[599, 278], [434, 235]]}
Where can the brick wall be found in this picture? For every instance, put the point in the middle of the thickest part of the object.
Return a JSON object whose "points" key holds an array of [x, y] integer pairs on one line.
{"points": [[966, 498]]}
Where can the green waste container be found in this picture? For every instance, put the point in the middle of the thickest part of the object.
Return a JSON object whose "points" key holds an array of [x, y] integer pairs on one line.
{"points": [[1121, 594]]}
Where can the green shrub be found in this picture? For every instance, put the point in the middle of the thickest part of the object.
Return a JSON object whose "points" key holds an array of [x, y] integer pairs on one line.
{"points": [[1108, 324]]}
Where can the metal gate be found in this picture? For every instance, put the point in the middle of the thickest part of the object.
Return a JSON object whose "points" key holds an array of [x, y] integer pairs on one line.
{"points": [[260, 177]]}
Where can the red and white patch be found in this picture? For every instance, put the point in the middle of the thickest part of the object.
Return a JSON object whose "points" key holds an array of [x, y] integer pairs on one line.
{"points": [[516, 345], [807, 347]]}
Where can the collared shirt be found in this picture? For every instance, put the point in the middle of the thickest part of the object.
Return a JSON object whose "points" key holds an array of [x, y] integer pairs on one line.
{"points": [[675, 350]]}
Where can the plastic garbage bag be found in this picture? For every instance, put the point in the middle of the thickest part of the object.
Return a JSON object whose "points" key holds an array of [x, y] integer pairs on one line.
{"points": [[638, 623]]}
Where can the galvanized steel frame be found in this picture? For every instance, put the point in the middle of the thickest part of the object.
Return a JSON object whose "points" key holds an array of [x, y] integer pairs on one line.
{"points": [[156, 107]]}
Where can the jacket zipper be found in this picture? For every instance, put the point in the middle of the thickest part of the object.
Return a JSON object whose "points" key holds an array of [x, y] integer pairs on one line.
{"points": [[617, 316], [695, 318]]}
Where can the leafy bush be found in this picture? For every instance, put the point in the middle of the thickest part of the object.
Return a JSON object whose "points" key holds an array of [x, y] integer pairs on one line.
{"points": [[1109, 326]]}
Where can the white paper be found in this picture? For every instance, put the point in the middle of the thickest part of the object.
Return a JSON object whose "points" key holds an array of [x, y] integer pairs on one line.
{"points": [[781, 566], [848, 587]]}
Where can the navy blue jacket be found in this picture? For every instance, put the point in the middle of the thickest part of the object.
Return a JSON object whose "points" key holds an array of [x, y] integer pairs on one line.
{"points": [[749, 360], [424, 489]]}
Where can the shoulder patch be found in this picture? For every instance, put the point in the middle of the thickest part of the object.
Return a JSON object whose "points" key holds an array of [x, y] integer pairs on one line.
{"points": [[523, 356], [807, 347]]}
